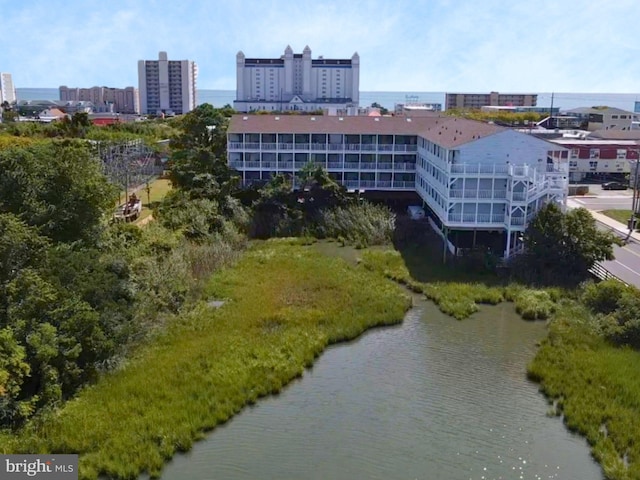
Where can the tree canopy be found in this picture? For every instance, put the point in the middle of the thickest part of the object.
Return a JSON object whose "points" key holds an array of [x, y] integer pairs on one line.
{"points": [[562, 247]]}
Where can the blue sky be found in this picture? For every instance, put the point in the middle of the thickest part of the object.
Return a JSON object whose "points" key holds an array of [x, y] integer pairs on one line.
{"points": [[404, 45]]}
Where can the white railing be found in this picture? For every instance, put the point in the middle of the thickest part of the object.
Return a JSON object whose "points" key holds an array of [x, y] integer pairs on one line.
{"points": [[484, 193], [403, 184], [351, 147], [519, 196], [477, 169], [472, 218]]}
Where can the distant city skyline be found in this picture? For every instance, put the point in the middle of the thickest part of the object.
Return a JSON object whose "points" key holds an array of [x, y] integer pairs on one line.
{"points": [[407, 45]]}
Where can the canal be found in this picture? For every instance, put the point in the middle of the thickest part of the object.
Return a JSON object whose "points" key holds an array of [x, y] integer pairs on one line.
{"points": [[433, 398]]}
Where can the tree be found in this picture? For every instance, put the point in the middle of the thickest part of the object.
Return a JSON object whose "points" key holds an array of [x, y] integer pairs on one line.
{"points": [[56, 186], [383, 110], [203, 127], [20, 246], [562, 247]]}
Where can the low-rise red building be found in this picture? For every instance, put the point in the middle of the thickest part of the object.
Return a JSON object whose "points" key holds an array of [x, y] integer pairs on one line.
{"points": [[595, 157]]}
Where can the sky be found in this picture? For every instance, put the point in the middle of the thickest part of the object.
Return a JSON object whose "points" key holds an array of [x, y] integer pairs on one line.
{"points": [[404, 45]]}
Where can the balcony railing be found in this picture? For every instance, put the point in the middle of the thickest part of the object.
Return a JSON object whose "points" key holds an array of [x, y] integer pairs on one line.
{"points": [[477, 194], [349, 147], [474, 219], [368, 166], [478, 169]]}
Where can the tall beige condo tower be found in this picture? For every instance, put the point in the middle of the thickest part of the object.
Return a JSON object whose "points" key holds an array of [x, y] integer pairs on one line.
{"points": [[167, 86]]}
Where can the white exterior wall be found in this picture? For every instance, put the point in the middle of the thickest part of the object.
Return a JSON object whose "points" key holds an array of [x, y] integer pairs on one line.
{"points": [[7, 89], [275, 83], [496, 182], [142, 86], [507, 146]]}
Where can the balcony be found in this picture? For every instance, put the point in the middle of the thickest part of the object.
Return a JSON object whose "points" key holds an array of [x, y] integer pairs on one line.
{"points": [[479, 169], [472, 218], [347, 147], [478, 194]]}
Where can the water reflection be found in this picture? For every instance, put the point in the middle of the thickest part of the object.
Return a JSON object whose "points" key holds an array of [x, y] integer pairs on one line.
{"points": [[433, 398]]}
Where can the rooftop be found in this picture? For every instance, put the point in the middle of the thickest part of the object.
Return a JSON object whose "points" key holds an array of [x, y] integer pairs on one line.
{"points": [[444, 130]]}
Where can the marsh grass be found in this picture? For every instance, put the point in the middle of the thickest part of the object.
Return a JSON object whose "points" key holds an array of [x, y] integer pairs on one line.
{"points": [[284, 303], [595, 385]]}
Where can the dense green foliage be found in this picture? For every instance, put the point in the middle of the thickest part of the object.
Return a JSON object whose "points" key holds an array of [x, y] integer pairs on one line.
{"points": [[562, 247], [594, 385], [77, 294], [616, 309], [55, 186], [283, 305]]}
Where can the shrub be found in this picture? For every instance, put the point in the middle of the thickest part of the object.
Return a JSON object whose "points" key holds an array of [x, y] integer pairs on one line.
{"points": [[360, 224], [534, 305]]}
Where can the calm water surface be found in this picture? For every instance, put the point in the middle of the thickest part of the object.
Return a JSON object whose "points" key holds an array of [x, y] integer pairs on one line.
{"points": [[433, 398]]}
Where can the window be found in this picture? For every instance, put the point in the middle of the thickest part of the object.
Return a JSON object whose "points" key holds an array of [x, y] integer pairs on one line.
{"points": [[594, 153], [575, 153], [621, 153], [573, 163], [593, 165]]}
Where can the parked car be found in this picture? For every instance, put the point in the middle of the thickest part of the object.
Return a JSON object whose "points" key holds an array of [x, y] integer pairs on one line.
{"points": [[614, 186]]}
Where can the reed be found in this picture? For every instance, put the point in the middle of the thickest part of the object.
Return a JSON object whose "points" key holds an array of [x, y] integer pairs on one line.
{"points": [[284, 304], [595, 385]]}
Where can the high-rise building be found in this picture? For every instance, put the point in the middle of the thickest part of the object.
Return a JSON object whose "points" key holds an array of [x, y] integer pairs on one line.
{"points": [[295, 81], [479, 100], [116, 100], [7, 89], [167, 86]]}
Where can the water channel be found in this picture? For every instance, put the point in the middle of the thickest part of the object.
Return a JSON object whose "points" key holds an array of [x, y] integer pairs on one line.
{"points": [[433, 398]]}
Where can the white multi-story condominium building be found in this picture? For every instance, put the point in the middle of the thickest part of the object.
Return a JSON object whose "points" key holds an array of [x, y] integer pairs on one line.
{"points": [[7, 89], [295, 81], [479, 100], [167, 86], [117, 100], [472, 176]]}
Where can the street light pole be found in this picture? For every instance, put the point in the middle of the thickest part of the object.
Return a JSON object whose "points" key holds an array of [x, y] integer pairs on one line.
{"points": [[634, 202]]}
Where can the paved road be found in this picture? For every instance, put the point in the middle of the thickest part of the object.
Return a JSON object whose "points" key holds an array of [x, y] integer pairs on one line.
{"points": [[621, 201], [626, 265]]}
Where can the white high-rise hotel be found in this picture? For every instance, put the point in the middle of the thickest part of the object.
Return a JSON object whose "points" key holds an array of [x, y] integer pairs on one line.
{"points": [[167, 86], [7, 89], [295, 81]]}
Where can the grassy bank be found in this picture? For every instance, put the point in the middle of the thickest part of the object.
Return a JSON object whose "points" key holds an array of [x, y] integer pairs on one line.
{"points": [[283, 305], [595, 386], [621, 216]]}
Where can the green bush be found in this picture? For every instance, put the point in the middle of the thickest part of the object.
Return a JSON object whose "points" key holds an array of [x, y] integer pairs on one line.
{"points": [[534, 305], [360, 224]]}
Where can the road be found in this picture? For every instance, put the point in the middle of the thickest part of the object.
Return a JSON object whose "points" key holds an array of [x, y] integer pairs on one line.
{"points": [[626, 265]]}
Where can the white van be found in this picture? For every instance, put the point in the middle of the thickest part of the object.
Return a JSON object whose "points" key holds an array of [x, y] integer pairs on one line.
{"points": [[416, 212]]}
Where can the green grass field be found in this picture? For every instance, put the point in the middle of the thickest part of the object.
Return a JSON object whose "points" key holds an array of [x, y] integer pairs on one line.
{"points": [[284, 303], [158, 189], [621, 216]]}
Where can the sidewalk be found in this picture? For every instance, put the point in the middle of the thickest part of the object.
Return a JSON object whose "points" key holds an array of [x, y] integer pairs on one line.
{"points": [[620, 228]]}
